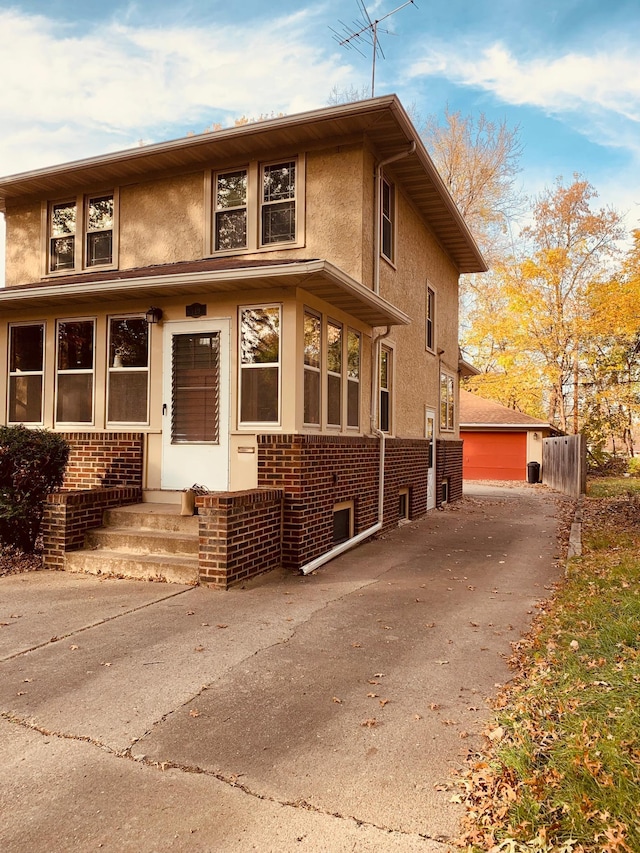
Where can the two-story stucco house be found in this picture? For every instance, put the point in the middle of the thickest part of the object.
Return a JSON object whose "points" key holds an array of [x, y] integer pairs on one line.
{"points": [[269, 311]]}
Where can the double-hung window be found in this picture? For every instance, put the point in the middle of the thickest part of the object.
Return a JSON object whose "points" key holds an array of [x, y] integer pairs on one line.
{"points": [[26, 373], [260, 364], [387, 219], [230, 211], [447, 401], [386, 375], [128, 370], [312, 331], [334, 374], [278, 203], [80, 233], [75, 371], [430, 319]]}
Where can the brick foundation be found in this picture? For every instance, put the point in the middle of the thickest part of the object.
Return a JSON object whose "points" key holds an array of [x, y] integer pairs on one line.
{"points": [[316, 472], [449, 467], [67, 515], [240, 535], [104, 459]]}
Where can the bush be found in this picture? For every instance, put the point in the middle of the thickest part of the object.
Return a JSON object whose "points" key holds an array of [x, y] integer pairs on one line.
{"points": [[32, 464], [633, 466]]}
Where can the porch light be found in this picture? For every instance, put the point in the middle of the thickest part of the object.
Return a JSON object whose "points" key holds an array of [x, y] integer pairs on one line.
{"points": [[153, 316]]}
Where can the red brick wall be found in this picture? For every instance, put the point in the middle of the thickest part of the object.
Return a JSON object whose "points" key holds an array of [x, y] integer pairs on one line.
{"points": [[449, 466], [67, 515], [104, 459], [316, 472], [240, 535]]}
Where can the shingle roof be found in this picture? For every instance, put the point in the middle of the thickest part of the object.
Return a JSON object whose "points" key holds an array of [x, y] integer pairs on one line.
{"points": [[477, 411]]}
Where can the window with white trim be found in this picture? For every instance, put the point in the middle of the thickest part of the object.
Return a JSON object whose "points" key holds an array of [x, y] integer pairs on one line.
{"points": [[75, 371], [387, 219], [334, 373], [430, 319], [386, 371], [26, 373], [353, 378], [260, 364], [312, 333], [447, 401], [80, 233], [128, 370], [278, 203], [230, 210]]}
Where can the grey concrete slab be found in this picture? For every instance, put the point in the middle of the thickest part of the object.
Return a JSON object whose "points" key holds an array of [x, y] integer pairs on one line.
{"points": [[333, 708]]}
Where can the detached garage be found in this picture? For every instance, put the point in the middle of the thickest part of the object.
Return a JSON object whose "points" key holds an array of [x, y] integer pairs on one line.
{"points": [[498, 441]]}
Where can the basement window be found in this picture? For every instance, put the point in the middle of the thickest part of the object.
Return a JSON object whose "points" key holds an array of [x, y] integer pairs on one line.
{"points": [[342, 522], [403, 505]]}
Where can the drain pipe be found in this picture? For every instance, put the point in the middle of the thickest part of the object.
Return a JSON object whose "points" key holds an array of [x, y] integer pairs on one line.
{"points": [[375, 528]]}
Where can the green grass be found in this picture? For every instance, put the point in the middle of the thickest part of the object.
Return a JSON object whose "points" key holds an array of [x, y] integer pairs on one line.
{"points": [[564, 773], [611, 487]]}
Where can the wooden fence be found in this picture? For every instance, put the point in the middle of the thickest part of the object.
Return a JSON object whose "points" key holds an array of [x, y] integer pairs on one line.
{"points": [[564, 464]]}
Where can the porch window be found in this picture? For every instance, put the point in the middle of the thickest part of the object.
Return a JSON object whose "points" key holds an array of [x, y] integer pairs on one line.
{"points": [[128, 370], [260, 365], [387, 222], [26, 373], [230, 211], [353, 378], [334, 373], [312, 327], [278, 203], [447, 401], [75, 371], [384, 416]]}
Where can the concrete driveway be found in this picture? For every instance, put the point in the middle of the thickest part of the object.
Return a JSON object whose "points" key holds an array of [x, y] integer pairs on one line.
{"points": [[320, 713]]}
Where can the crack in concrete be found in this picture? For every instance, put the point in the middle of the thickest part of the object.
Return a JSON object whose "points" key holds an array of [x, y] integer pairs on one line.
{"points": [[231, 781], [103, 621]]}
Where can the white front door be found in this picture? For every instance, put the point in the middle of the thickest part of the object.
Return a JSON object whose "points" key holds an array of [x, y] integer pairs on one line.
{"points": [[430, 423], [195, 411]]}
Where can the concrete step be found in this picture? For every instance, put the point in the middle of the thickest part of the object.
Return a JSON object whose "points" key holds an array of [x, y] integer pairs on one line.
{"points": [[142, 541], [151, 567], [149, 516]]}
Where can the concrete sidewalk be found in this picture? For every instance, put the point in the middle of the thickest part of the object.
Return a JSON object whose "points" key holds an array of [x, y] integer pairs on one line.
{"points": [[319, 713]]}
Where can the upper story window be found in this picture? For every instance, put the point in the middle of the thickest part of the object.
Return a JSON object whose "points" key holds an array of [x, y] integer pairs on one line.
{"points": [[230, 210], [80, 233], [256, 206], [387, 219], [26, 373], [430, 320], [278, 206]]}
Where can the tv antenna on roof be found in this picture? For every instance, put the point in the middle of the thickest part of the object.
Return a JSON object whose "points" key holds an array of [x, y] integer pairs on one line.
{"points": [[366, 30]]}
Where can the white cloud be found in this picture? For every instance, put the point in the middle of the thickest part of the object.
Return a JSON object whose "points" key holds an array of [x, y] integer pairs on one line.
{"points": [[71, 96], [594, 89]]}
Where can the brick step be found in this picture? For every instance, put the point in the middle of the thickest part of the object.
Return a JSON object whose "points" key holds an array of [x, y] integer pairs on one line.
{"points": [[142, 541], [152, 567]]}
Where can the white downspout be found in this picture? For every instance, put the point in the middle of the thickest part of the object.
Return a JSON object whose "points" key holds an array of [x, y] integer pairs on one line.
{"points": [[375, 361]]}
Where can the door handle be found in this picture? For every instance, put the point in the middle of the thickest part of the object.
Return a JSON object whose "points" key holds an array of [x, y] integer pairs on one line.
{"points": [[164, 408]]}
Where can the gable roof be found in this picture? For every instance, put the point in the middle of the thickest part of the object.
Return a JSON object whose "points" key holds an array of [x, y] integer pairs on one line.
{"points": [[476, 411], [382, 120]]}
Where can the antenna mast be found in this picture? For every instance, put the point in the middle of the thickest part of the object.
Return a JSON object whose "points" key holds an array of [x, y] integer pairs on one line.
{"points": [[366, 30]]}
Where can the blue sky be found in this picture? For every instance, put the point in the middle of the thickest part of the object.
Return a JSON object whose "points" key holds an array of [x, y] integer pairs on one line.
{"points": [[83, 77]]}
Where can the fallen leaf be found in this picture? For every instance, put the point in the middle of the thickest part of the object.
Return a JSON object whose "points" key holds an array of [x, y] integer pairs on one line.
{"points": [[369, 723], [356, 645], [417, 717], [442, 662], [336, 700], [378, 674], [105, 664], [73, 648], [434, 706], [194, 713], [383, 702], [372, 695], [190, 612], [373, 681], [199, 649]]}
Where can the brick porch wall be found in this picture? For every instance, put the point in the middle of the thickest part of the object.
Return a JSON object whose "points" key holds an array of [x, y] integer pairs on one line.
{"points": [[316, 472], [104, 459], [68, 515], [240, 535], [449, 466]]}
